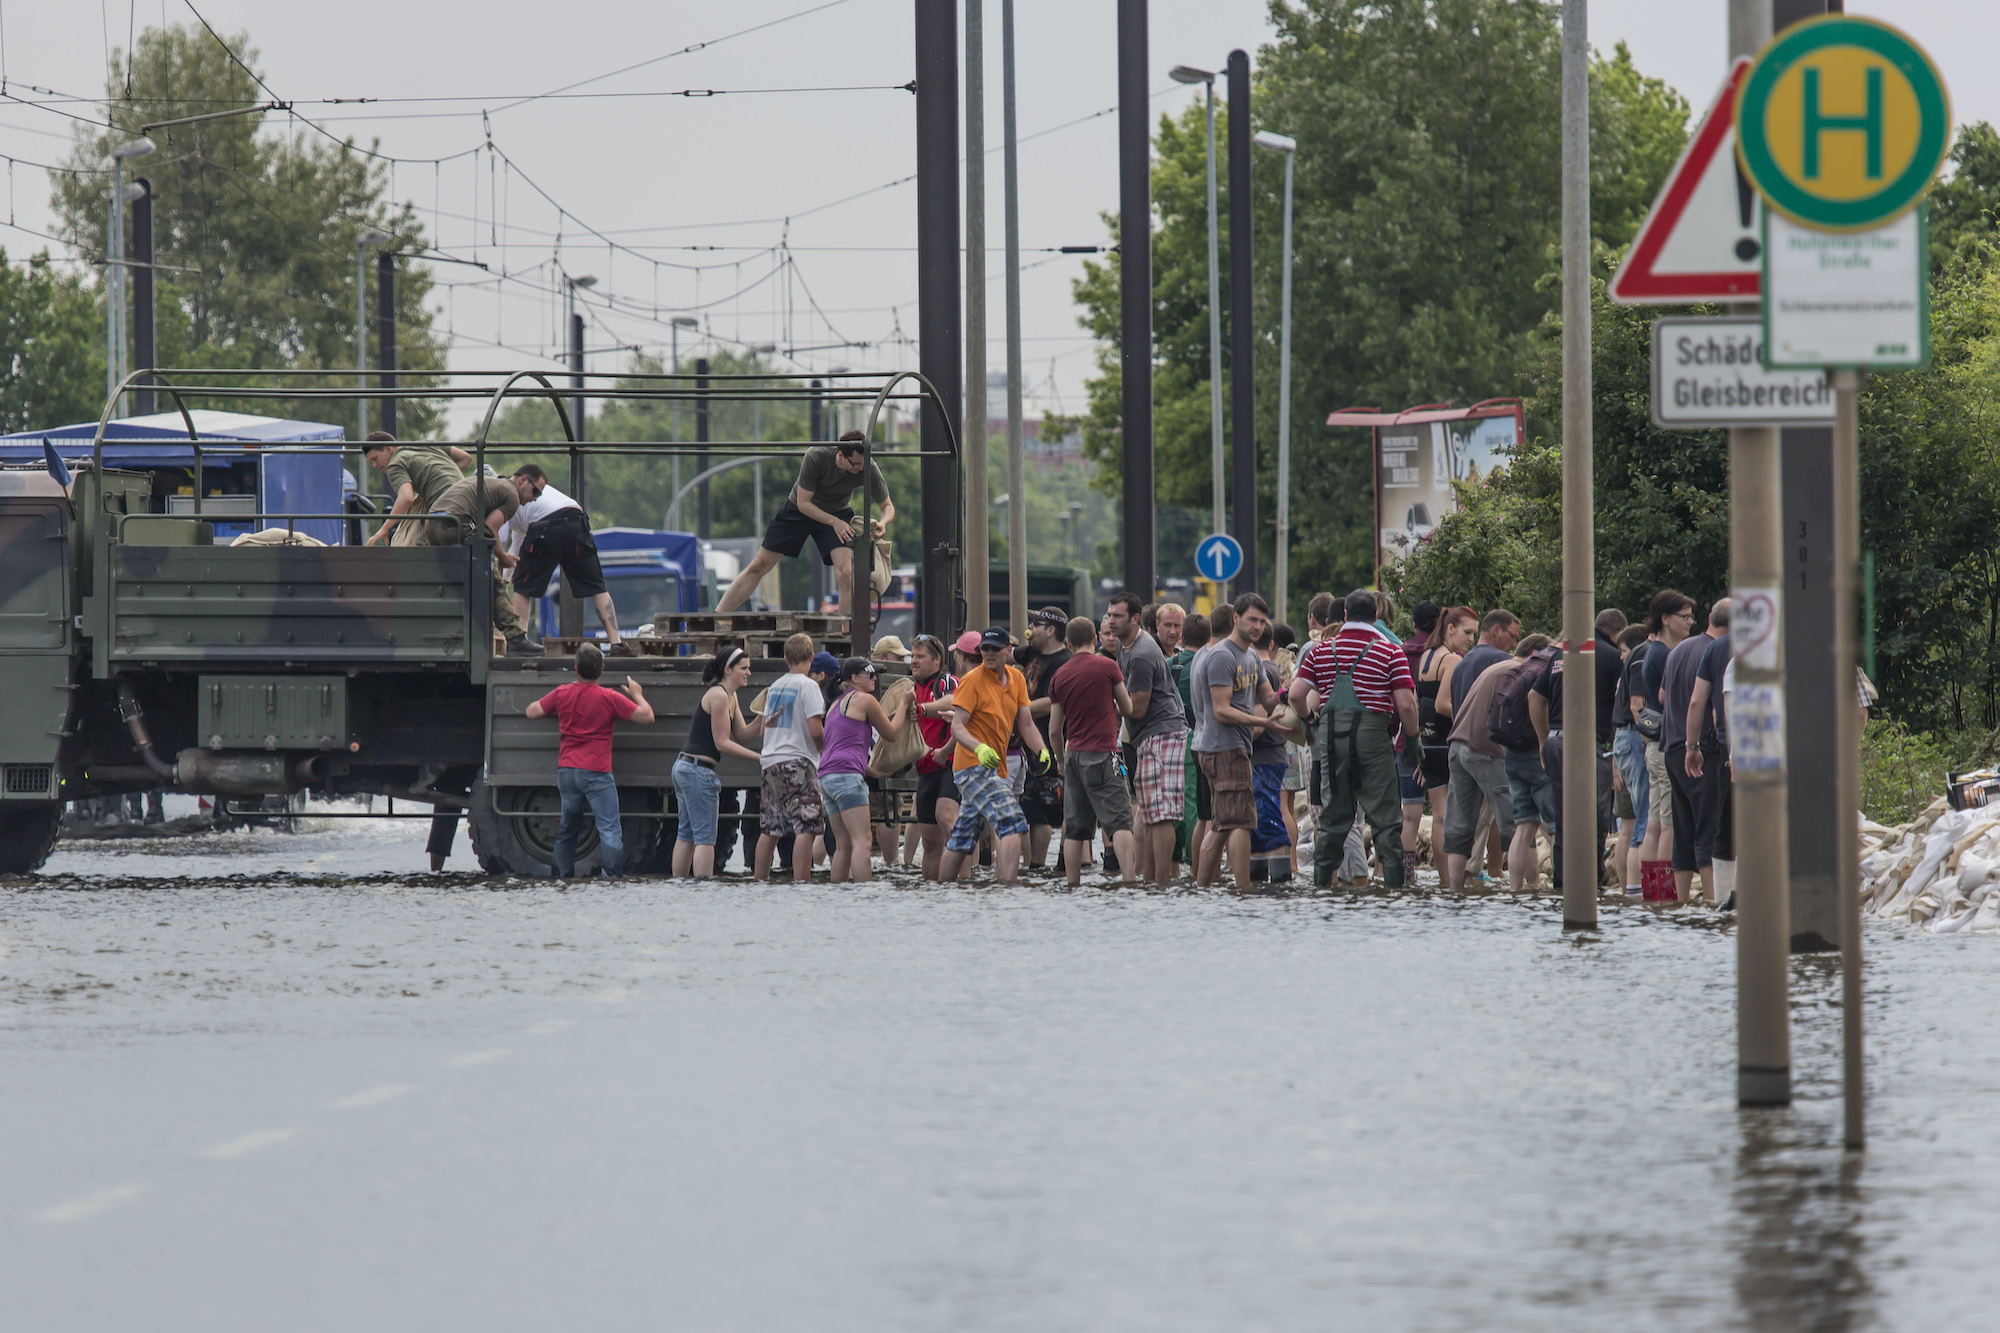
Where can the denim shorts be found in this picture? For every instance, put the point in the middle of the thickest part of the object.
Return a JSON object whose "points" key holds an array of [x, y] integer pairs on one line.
{"points": [[843, 792], [1534, 790], [698, 790]]}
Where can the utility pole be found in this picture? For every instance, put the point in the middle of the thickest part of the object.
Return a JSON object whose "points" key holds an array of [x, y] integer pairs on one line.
{"points": [[701, 438], [1757, 575], [1282, 547], [940, 353], [1017, 486], [1218, 520], [368, 239], [978, 504], [1242, 324], [1579, 714], [146, 401], [114, 266], [385, 335], [1135, 296], [816, 427], [679, 322]]}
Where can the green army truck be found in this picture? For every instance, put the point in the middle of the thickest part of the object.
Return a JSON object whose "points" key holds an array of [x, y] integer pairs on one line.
{"points": [[139, 653]]}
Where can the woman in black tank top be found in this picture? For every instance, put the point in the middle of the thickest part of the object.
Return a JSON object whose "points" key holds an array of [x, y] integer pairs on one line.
{"points": [[1456, 629]]}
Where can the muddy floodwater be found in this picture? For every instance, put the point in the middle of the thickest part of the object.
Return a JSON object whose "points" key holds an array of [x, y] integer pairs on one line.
{"points": [[270, 1081]]}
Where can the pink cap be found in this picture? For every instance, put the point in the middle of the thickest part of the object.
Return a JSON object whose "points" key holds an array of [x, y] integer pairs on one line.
{"points": [[968, 643]]}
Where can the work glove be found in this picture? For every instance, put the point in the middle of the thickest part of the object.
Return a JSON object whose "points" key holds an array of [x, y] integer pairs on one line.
{"points": [[988, 757], [1039, 762]]}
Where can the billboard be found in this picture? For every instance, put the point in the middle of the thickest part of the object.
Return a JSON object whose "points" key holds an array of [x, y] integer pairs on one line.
{"points": [[1418, 456]]}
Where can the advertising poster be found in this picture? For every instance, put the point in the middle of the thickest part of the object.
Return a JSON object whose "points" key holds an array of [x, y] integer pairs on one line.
{"points": [[1420, 454]]}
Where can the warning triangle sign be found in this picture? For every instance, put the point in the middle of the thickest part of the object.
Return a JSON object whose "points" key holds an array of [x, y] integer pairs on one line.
{"points": [[1701, 240]]}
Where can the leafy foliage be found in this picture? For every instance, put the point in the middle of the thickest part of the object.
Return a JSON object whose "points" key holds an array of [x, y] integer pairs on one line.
{"points": [[51, 347], [1426, 205], [268, 224]]}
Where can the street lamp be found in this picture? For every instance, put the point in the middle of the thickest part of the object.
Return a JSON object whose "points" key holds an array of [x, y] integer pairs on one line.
{"points": [[1290, 148], [368, 239], [1189, 74], [114, 267]]}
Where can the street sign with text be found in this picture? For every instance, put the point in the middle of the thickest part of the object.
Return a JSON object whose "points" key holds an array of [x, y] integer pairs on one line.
{"points": [[1708, 373], [1852, 300]]}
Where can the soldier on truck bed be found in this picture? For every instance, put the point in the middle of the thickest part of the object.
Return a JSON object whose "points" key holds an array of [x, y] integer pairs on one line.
{"points": [[473, 500], [418, 476], [817, 508]]}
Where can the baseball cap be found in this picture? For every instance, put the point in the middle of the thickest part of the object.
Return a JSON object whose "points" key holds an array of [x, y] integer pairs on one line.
{"points": [[856, 666], [968, 643], [825, 663], [1052, 616], [891, 646], [995, 637]]}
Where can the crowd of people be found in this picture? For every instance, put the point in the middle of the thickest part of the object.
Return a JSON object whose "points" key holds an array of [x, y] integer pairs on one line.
{"points": [[1225, 743]]}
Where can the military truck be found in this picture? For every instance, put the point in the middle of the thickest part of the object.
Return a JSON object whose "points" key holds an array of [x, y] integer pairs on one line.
{"points": [[139, 653]]}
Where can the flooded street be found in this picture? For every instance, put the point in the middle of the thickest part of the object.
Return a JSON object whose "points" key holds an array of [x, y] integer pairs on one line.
{"points": [[269, 1081]]}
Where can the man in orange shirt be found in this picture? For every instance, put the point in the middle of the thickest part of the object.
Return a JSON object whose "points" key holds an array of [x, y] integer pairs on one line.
{"points": [[991, 701]]}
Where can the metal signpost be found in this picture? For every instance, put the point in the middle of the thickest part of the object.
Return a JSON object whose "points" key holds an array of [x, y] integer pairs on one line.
{"points": [[1841, 125]]}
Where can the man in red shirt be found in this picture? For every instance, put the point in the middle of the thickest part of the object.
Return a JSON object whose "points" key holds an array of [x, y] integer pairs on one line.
{"points": [[585, 712], [1086, 699], [1363, 681]]}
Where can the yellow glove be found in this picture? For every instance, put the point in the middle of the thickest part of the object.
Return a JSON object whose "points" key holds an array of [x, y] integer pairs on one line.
{"points": [[988, 757], [1043, 761]]}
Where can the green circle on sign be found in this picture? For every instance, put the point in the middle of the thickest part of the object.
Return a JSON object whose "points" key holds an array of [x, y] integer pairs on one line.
{"points": [[1788, 181]]}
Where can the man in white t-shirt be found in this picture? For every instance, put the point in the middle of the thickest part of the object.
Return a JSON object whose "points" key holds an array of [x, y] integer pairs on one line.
{"points": [[551, 530], [794, 724]]}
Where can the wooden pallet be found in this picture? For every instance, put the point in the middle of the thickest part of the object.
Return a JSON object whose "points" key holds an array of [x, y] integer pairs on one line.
{"points": [[744, 624], [760, 646]]}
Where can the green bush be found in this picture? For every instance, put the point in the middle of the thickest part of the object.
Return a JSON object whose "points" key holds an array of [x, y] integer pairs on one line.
{"points": [[1902, 771]]}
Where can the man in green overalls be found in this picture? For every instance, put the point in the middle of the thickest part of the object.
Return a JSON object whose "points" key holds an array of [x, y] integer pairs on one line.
{"points": [[1361, 681]]}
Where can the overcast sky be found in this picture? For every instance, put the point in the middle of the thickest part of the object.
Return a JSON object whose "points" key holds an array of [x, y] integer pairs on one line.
{"points": [[688, 197]]}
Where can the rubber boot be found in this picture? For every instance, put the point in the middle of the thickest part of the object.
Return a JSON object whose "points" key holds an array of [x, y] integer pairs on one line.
{"points": [[1656, 882]]}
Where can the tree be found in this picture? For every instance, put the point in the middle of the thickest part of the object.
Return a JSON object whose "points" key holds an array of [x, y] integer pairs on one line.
{"points": [[51, 347], [267, 225], [1426, 207]]}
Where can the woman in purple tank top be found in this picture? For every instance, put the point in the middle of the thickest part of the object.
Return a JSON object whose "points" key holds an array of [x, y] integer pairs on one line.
{"points": [[851, 724]]}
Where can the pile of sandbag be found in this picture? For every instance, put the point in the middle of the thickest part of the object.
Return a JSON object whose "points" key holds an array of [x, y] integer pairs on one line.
{"points": [[1941, 872]]}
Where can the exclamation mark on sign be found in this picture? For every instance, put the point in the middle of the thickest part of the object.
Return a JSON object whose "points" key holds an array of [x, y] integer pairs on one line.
{"points": [[1747, 247]]}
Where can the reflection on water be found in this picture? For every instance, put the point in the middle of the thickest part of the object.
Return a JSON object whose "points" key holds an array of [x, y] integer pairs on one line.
{"points": [[896, 1105]]}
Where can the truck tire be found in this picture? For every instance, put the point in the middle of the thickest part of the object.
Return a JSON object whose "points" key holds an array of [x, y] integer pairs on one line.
{"points": [[27, 836], [505, 844]]}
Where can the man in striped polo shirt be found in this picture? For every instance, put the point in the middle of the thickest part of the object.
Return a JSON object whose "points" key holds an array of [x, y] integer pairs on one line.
{"points": [[1362, 682]]}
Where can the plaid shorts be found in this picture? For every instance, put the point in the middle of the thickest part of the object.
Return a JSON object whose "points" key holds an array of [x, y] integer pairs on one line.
{"points": [[790, 800], [984, 800], [1159, 785]]}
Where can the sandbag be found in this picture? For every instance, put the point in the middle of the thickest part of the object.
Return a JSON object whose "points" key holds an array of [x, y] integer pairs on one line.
{"points": [[893, 756], [275, 537]]}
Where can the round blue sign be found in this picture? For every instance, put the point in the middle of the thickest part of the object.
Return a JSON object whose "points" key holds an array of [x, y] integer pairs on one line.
{"points": [[1218, 557]]}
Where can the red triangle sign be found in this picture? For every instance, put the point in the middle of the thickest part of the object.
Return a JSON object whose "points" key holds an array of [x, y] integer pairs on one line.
{"points": [[1701, 241]]}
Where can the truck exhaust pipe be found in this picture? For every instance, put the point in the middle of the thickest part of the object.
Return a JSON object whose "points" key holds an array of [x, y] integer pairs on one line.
{"points": [[142, 741], [226, 773]]}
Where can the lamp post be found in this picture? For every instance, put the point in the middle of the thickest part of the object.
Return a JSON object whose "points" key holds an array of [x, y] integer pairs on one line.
{"points": [[1289, 147], [114, 266], [1217, 521], [757, 433]]}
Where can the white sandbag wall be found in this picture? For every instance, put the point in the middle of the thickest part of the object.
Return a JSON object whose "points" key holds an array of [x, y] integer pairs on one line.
{"points": [[1940, 873]]}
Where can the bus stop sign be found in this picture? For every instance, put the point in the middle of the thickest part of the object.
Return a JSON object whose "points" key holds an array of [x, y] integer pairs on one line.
{"points": [[1842, 123]]}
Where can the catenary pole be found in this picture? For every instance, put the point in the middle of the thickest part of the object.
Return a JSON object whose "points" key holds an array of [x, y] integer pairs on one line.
{"points": [[1282, 574], [978, 503], [1217, 485], [114, 281], [1242, 324], [1017, 485], [941, 353], [701, 508], [1135, 296], [1756, 560], [1579, 712], [385, 334], [145, 401]]}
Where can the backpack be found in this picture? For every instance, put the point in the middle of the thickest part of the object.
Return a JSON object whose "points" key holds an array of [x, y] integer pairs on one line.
{"points": [[1507, 722]]}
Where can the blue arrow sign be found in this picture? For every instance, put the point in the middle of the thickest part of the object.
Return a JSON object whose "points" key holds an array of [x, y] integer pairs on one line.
{"points": [[1218, 557]]}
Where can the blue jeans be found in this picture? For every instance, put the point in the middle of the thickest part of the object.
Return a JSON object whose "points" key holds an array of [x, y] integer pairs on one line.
{"points": [[582, 787], [1628, 751], [1267, 784]]}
